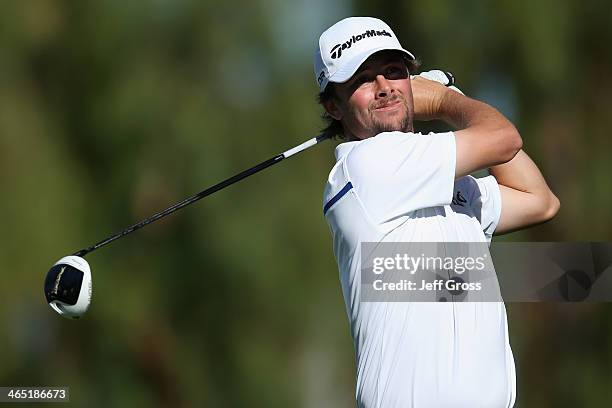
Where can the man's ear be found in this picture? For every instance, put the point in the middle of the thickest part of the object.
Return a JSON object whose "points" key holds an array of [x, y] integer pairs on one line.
{"points": [[332, 108]]}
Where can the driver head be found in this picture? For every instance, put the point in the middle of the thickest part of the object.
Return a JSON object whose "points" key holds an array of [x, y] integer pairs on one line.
{"points": [[68, 287]]}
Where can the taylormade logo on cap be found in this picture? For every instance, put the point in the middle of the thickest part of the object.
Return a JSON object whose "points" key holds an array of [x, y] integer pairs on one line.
{"points": [[336, 52], [347, 44]]}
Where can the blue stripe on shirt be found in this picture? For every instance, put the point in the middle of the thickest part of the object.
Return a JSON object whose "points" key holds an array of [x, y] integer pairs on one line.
{"points": [[337, 197]]}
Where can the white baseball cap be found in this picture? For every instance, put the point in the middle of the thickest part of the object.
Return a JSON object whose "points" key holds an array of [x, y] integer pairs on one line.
{"points": [[344, 46]]}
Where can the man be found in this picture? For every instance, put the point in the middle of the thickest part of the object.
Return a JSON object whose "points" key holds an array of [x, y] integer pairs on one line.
{"points": [[392, 185]]}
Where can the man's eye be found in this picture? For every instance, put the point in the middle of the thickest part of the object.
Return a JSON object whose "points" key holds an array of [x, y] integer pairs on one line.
{"points": [[394, 72]]}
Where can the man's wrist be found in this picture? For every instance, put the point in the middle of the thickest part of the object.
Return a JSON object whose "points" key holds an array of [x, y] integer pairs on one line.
{"points": [[451, 108]]}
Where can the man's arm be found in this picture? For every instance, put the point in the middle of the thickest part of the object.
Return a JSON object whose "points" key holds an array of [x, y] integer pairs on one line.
{"points": [[484, 138], [526, 198]]}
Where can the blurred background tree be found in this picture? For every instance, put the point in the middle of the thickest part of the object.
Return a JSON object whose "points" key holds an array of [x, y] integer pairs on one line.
{"points": [[110, 111]]}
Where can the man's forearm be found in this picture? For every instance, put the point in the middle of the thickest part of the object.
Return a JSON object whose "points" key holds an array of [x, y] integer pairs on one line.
{"points": [[522, 174], [484, 137], [463, 112], [526, 198]]}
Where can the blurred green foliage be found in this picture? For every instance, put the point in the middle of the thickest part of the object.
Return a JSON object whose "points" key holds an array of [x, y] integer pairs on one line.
{"points": [[110, 111]]}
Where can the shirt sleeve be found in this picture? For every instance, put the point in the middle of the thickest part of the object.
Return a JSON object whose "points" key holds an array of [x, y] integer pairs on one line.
{"points": [[395, 173], [485, 200]]}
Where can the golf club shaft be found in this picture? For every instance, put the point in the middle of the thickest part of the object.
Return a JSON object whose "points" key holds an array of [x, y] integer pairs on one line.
{"points": [[219, 186]]}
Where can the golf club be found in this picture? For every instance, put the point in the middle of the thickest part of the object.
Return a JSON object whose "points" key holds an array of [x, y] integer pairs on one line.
{"points": [[68, 284]]}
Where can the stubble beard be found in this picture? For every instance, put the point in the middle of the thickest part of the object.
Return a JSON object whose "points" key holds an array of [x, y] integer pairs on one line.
{"points": [[371, 126], [403, 124]]}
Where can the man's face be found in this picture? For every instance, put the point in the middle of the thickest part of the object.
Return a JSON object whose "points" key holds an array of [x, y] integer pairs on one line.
{"points": [[378, 98]]}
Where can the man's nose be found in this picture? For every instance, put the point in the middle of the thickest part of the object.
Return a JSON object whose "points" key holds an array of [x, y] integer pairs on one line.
{"points": [[383, 87]]}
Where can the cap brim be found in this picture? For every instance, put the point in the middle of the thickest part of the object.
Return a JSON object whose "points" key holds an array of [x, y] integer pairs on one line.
{"points": [[349, 68]]}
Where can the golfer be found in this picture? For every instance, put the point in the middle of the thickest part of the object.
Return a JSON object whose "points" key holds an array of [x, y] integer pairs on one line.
{"points": [[390, 184]]}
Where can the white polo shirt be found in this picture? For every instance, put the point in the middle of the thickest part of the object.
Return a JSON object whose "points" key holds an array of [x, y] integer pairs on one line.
{"points": [[401, 187]]}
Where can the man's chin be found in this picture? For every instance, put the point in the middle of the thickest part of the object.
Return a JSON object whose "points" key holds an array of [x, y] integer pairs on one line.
{"points": [[404, 125]]}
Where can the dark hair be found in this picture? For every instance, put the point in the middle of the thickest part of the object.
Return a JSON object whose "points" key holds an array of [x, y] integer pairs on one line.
{"points": [[334, 127]]}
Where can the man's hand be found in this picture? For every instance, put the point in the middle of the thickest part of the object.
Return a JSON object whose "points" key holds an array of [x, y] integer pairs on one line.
{"points": [[428, 96], [428, 90]]}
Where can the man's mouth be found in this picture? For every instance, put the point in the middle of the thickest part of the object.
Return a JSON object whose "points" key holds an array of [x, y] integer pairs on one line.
{"points": [[390, 105]]}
